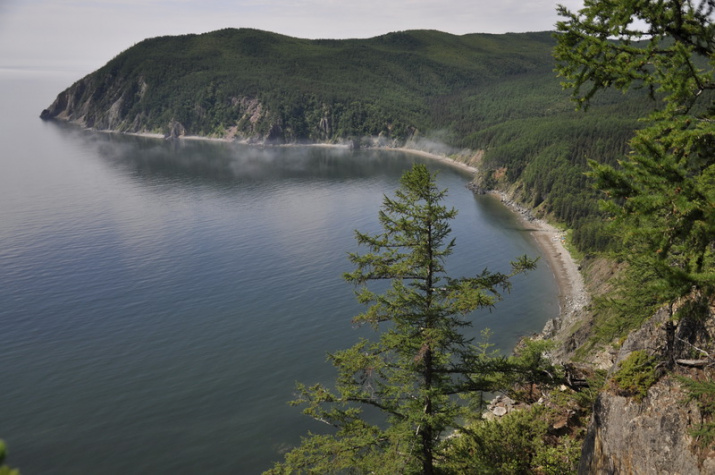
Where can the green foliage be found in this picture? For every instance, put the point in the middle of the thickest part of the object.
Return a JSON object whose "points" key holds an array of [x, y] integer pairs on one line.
{"points": [[548, 155], [520, 442], [703, 393], [636, 374], [542, 439], [625, 308], [4, 469], [586, 396], [660, 196], [529, 368], [421, 359], [494, 93], [601, 47], [308, 90]]}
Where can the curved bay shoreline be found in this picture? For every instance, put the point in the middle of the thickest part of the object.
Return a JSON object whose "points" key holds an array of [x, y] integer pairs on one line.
{"points": [[573, 296]]}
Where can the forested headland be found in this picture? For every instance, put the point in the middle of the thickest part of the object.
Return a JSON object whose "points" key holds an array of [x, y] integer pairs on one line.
{"points": [[491, 93]]}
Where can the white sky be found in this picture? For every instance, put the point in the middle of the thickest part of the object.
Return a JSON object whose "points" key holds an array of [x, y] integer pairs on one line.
{"points": [[82, 35]]}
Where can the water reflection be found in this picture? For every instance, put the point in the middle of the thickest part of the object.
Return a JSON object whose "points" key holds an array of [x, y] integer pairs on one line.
{"points": [[204, 162]]}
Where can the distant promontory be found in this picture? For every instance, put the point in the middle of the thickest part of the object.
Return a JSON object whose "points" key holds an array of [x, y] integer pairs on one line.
{"points": [[257, 86]]}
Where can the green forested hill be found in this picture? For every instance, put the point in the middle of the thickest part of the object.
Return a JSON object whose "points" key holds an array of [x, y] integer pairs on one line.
{"points": [[392, 84], [496, 93]]}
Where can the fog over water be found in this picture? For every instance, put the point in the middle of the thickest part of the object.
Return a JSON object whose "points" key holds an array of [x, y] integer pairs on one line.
{"points": [[161, 299]]}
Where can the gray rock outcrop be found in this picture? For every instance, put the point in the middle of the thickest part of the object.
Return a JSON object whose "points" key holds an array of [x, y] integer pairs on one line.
{"points": [[651, 436], [647, 437]]}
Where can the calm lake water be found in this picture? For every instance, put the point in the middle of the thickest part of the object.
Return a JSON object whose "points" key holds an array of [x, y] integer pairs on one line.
{"points": [[158, 301]]}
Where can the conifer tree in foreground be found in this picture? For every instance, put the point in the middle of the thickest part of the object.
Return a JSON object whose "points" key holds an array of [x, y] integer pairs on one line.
{"points": [[662, 195], [420, 361]]}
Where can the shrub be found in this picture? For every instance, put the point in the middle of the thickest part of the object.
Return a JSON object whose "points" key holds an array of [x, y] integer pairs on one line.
{"points": [[635, 375]]}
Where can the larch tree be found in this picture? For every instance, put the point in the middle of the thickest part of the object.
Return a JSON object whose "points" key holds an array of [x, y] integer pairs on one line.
{"points": [[420, 361], [662, 195]]}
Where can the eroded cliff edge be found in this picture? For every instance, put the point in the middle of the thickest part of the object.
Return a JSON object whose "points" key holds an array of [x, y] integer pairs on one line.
{"points": [[645, 422], [645, 418], [653, 432]]}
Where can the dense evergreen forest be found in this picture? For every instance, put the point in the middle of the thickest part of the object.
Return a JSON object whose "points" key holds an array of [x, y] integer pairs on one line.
{"points": [[496, 93]]}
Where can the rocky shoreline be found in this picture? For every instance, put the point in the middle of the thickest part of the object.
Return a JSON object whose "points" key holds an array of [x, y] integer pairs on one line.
{"points": [[573, 296]]}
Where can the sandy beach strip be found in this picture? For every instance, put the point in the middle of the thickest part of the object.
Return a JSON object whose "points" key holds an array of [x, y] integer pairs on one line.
{"points": [[572, 292]]}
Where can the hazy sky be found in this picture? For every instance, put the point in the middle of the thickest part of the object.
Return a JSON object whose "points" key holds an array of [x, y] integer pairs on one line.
{"points": [[82, 35]]}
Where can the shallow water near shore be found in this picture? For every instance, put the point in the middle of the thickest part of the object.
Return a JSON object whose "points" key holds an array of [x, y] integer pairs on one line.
{"points": [[161, 299]]}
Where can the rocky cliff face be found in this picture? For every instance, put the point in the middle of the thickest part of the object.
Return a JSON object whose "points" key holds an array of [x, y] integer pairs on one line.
{"points": [[103, 104], [649, 437], [98, 104], [652, 435]]}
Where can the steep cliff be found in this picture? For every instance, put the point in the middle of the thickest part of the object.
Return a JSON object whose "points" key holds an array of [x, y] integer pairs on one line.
{"points": [[113, 106], [648, 436], [644, 418]]}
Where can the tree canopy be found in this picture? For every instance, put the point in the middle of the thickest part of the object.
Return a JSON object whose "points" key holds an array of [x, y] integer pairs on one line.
{"points": [[662, 194]]}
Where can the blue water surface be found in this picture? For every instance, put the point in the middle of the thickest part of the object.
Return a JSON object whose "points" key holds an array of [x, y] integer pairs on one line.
{"points": [[159, 300]]}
